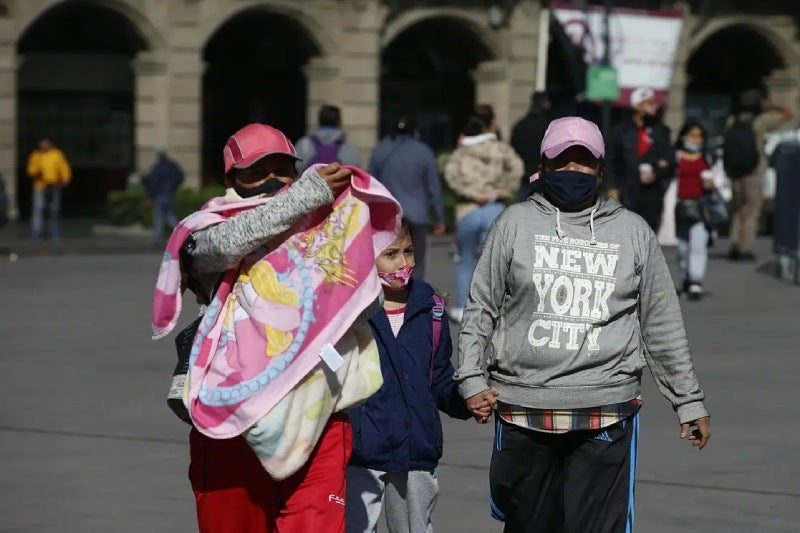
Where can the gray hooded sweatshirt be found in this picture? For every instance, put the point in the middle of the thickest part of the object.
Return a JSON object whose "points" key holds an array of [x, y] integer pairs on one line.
{"points": [[572, 307]]}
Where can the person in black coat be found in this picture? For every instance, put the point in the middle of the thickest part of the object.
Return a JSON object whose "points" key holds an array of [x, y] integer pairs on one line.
{"points": [[641, 159], [526, 138]]}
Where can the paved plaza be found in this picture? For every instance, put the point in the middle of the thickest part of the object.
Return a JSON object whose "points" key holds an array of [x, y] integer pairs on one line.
{"points": [[87, 443]]}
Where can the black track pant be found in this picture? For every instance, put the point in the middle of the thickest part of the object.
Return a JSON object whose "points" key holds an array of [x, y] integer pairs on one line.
{"points": [[577, 482]]}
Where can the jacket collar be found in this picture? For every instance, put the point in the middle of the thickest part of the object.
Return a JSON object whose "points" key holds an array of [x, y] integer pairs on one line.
{"points": [[420, 299]]}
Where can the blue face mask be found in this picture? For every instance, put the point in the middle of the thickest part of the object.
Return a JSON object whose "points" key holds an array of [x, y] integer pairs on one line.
{"points": [[570, 188], [692, 147]]}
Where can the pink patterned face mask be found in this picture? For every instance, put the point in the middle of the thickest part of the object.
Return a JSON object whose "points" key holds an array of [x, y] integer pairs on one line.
{"points": [[398, 279]]}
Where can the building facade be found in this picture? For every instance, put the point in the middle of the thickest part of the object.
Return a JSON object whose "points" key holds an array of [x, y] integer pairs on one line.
{"points": [[112, 80]]}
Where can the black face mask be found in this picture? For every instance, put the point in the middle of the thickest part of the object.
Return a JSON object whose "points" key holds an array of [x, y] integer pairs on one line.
{"points": [[268, 187], [569, 188], [650, 120]]}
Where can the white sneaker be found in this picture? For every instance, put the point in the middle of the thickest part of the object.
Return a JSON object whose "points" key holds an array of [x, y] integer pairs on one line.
{"points": [[456, 314], [695, 291]]}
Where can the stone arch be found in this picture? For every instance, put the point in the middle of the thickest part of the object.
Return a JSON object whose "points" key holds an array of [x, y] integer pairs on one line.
{"points": [[434, 64], [150, 35], [732, 54], [474, 23], [312, 28], [257, 76], [76, 84], [781, 46]]}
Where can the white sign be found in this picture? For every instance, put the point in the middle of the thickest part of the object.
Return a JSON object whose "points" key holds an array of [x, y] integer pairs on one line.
{"points": [[643, 44]]}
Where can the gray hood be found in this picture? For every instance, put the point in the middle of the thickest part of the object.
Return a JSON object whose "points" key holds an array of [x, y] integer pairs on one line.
{"points": [[329, 135], [602, 212]]}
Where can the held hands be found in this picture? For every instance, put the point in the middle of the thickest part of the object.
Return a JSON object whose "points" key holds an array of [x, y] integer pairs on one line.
{"points": [[482, 404], [335, 176], [700, 434]]}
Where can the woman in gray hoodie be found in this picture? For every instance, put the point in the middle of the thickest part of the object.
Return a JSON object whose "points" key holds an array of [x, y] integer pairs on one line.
{"points": [[574, 298]]}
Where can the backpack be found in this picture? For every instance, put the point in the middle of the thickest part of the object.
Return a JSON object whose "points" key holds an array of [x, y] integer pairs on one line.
{"points": [[325, 153], [740, 152], [437, 313]]}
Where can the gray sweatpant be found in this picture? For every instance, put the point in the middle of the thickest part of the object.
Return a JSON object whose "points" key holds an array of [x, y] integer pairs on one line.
{"points": [[410, 499]]}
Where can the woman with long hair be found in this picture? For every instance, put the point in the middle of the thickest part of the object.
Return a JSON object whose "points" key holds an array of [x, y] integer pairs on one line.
{"points": [[694, 181]]}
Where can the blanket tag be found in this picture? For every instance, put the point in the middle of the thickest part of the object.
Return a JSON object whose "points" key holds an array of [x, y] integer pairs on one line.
{"points": [[331, 357]]}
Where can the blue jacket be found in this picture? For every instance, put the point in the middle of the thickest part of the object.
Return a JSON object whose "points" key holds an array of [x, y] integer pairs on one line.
{"points": [[398, 429], [408, 169], [165, 178]]}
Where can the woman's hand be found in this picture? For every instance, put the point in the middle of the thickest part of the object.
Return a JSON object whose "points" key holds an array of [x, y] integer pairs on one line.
{"points": [[482, 404], [335, 176]]}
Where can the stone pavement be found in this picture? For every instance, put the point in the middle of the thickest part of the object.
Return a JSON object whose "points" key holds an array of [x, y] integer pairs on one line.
{"points": [[88, 445]]}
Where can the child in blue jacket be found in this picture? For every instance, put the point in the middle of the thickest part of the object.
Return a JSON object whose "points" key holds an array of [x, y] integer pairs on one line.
{"points": [[397, 434]]}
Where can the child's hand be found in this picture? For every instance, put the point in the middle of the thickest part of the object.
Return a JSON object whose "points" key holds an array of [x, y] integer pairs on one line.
{"points": [[482, 404], [335, 176]]}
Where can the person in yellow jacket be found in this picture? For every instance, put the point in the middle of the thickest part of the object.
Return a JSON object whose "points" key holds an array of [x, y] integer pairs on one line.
{"points": [[50, 171]]}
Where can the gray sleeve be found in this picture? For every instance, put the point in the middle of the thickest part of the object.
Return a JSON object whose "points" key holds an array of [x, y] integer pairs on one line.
{"points": [[664, 335], [483, 311], [348, 155], [223, 246], [305, 151]]}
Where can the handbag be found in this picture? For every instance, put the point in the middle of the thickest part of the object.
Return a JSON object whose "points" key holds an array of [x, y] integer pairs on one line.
{"points": [[184, 341], [715, 209], [183, 346]]}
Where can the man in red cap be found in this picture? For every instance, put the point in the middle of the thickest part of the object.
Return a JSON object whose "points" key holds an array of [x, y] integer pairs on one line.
{"points": [[576, 298], [233, 491]]}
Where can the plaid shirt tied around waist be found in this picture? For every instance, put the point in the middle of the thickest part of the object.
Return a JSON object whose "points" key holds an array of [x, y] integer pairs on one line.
{"points": [[565, 420]]}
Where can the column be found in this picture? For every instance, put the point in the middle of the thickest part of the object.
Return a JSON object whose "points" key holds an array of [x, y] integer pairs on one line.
{"points": [[9, 64], [150, 108], [492, 87], [523, 57], [360, 74], [322, 76], [674, 113], [185, 128]]}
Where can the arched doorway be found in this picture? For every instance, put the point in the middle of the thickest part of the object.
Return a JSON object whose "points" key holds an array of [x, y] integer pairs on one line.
{"points": [[254, 73], [76, 86], [730, 61], [426, 70]]}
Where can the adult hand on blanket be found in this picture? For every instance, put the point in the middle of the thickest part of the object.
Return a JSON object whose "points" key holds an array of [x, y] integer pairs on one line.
{"points": [[335, 176], [482, 404], [700, 434]]}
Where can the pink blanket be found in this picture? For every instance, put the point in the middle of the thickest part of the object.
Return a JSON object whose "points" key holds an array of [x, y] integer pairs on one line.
{"points": [[268, 322]]}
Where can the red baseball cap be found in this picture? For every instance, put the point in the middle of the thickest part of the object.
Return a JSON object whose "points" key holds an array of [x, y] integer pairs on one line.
{"points": [[254, 142]]}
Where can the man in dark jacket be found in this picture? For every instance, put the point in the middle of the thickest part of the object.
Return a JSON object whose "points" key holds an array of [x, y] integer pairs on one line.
{"points": [[407, 167], [526, 138], [165, 178], [641, 159]]}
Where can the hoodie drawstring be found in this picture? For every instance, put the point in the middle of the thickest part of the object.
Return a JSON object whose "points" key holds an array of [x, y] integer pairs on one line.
{"points": [[560, 232], [592, 242]]}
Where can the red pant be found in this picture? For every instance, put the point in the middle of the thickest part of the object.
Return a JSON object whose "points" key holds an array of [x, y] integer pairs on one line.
{"points": [[235, 494]]}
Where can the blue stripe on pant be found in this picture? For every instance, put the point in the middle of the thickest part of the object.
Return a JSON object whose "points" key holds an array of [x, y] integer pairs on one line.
{"points": [[632, 480]]}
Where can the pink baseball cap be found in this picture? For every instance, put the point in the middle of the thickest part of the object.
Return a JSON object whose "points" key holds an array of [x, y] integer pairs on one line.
{"points": [[567, 132], [254, 142]]}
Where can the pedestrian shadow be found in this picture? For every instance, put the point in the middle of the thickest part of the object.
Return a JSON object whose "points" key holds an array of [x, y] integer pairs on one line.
{"points": [[784, 269]]}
